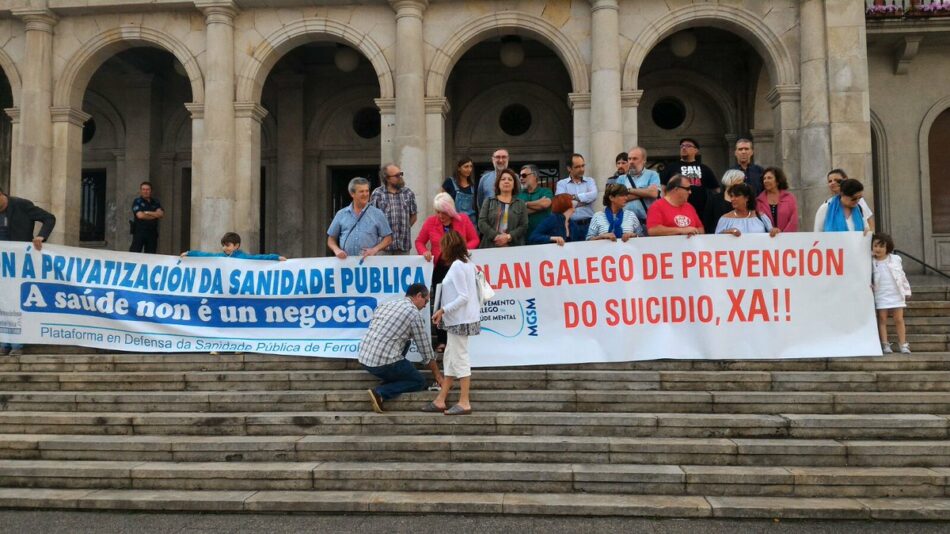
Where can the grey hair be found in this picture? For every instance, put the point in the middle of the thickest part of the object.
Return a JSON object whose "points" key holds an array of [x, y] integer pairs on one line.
{"points": [[359, 180], [732, 177], [642, 151], [533, 168], [382, 172], [744, 140]]}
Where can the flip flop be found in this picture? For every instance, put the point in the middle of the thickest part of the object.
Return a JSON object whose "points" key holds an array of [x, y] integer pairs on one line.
{"points": [[432, 408], [458, 410]]}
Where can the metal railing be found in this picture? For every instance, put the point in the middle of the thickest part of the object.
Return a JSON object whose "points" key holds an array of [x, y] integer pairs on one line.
{"points": [[921, 262]]}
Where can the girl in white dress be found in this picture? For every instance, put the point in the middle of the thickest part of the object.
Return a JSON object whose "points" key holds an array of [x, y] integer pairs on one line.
{"points": [[891, 290]]}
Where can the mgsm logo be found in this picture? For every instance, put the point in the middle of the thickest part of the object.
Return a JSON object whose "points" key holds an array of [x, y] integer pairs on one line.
{"points": [[531, 318]]}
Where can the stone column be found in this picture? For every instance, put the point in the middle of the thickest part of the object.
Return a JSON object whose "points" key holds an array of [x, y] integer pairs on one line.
{"points": [[171, 200], [387, 130], [848, 91], [138, 152], [436, 110], [66, 176], [14, 114], [630, 105], [117, 234], [214, 212], [247, 143], [36, 98], [580, 109], [409, 141], [197, 112], [290, 136], [786, 108], [605, 110], [815, 120]]}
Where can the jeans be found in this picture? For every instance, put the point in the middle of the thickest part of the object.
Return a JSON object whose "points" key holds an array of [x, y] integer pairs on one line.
{"points": [[398, 378]]}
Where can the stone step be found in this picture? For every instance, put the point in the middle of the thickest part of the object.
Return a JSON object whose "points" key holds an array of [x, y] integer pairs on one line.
{"points": [[927, 308], [533, 504], [681, 425], [487, 379], [754, 402], [480, 477], [475, 448], [85, 363]]}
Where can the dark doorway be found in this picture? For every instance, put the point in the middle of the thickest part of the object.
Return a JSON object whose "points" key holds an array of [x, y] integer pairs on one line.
{"points": [[92, 220], [263, 214], [340, 179]]}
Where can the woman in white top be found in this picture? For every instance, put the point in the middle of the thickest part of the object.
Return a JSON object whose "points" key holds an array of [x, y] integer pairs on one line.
{"points": [[835, 177], [744, 219], [459, 315]]}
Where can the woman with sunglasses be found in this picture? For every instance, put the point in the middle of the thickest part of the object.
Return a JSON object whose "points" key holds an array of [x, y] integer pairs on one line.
{"points": [[835, 177]]}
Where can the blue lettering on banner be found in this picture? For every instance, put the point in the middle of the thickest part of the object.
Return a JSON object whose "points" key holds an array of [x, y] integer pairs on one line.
{"points": [[325, 312], [531, 318]]}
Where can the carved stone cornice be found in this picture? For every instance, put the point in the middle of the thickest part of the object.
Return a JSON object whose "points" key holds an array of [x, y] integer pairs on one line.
{"points": [[387, 106], [409, 8], [218, 11], [784, 93], [14, 114], [252, 110], [597, 5], [37, 19], [578, 100], [76, 117], [197, 110], [437, 104], [630, 99]]}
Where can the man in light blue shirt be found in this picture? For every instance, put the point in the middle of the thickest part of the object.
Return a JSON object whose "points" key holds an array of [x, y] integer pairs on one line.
{"points": [[486, 184], [643, 184], [583, 191], [359, 229]]}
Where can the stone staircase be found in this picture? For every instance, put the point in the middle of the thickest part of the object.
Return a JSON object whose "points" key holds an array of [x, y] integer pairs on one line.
{"points": [[825, 438]]}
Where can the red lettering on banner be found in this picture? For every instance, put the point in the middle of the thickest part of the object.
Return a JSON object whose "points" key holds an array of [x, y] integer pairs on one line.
{"points": [[592, 270], [761, 263], [756, 306], [513, 276], [657, 267], [574, 315]]}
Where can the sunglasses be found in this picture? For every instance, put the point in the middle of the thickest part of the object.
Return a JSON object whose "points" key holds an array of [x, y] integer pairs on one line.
{"points": [[525, 175], [686, 187], [399, 174]]}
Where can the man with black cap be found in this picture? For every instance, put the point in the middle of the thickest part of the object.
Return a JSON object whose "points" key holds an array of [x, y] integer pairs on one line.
{"points": [[702, 179]]}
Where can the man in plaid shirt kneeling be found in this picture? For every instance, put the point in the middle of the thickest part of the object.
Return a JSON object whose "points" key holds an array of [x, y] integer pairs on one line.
{"points": [[383, 351]]}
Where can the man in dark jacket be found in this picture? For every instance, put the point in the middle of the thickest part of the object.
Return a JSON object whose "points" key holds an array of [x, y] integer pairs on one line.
{"points": [[18, 218], [702, 179]]}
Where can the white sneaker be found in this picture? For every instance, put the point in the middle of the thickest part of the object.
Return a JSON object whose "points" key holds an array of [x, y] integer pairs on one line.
{"points": [[886, 348], [905, 348]]}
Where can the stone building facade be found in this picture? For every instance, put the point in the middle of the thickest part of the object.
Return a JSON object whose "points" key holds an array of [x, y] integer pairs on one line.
{"points": [[251, 115]]}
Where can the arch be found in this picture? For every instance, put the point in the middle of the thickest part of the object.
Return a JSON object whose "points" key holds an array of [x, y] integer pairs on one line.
{"points": [[177, 126], [923, 140], [104, 108], [498, 24], [83, 64], [321, 122], [703, 85], [782, 69], [250, 82], [13, 76], [881, 179]]}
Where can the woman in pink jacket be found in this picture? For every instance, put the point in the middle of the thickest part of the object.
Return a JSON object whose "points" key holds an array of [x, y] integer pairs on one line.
{"points": [[776, 202], [445, 219]]}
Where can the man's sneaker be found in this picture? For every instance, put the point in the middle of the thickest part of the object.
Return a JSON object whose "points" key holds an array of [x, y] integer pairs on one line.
{"points": [[434, 386], [886, 348], [19, 352], [905, 348], [376, 400]]}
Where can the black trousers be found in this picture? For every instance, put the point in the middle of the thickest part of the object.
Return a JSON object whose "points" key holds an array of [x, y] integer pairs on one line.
{"points": [[146, 242], [439, 270]]}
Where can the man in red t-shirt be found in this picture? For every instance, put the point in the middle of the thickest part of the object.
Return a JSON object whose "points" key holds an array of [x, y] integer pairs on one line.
{"points": [[673, 214]]}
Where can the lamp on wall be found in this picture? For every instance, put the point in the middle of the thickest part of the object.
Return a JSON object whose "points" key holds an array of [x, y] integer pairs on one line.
{"points": [[512, 51], [346, 59], [683, 44]]}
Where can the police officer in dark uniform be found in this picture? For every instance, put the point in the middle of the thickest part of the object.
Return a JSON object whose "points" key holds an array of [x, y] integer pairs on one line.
{"points": [[146, 212]]}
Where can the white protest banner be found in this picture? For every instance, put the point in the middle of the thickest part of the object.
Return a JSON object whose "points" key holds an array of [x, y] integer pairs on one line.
{"points": [[713, 297], [795, 295], [149, 303]]}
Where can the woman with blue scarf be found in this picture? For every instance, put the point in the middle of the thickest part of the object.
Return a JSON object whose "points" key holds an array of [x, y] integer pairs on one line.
{"points": [[614, 222], [843, 212]]}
